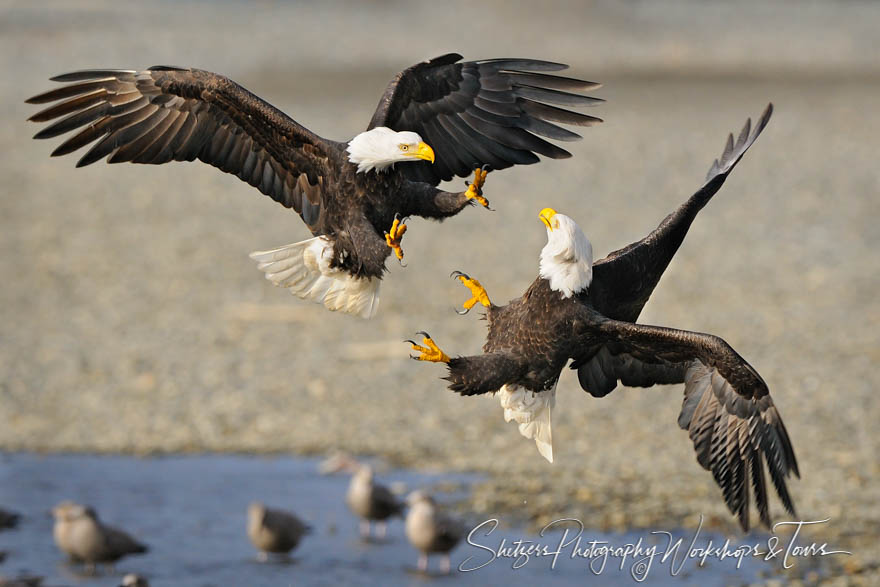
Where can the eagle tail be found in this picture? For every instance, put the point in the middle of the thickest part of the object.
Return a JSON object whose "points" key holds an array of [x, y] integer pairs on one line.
{"points": [[531, 410], [304, 269]]}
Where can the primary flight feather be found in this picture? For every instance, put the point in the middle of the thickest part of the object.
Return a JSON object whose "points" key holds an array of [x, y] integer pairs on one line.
{"points": [[438, 119]]}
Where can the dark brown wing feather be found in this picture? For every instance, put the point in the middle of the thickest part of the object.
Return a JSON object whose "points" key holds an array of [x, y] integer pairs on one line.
{"points": [[448, 532], [727, 408], [285, 526], [119, 544], [483, 112], [384, 503], [624, 280], [8, 519], [167, 114]]}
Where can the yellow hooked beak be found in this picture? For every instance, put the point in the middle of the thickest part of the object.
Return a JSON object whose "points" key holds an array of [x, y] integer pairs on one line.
{"points": [[546, 217], [424, 151]]}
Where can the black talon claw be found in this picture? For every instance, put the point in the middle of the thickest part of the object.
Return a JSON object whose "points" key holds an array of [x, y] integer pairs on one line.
{"points": [[410, 341], [462, 312], [423, 333], [456, 274], [486, 167]]}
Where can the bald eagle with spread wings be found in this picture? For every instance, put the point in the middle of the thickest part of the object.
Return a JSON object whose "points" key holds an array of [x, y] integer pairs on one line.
{"points": [[586, 312], [439, 119]]}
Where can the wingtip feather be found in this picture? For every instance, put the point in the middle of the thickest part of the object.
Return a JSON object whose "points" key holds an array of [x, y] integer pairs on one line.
{"points": [[91, 74]]}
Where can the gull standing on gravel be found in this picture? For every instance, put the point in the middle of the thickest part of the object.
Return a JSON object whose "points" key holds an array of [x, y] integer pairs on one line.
{"points": [[274, 531], [371, 501], [80, 534], [431, 530]]}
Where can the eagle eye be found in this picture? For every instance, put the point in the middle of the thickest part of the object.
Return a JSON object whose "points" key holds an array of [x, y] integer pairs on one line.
{"points": [[403, 147]]}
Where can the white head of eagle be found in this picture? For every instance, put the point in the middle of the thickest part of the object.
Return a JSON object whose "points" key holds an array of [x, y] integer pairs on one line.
{"points": [[381, 147], [567, 258]]}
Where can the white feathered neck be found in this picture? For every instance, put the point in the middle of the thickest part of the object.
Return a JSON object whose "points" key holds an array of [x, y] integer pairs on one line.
{"points": [[567, 258]]}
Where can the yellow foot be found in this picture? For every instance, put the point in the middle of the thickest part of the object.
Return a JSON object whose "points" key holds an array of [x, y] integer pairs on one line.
{"points": [[475, 189], [429, 352], [478, 292], [393, 236]]}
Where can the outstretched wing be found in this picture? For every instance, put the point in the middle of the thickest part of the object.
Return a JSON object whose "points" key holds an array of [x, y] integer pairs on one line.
{"points": [[624, 280], [727, 408], [167, 114], [482, 112]]}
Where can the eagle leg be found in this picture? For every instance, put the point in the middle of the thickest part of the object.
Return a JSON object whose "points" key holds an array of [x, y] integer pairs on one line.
{"points": [[429, 352], [478, 292], [394, 236], [475, 189]]}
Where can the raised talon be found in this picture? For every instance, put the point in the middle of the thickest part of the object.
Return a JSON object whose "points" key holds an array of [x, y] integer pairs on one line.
{"points": [[475, 189], [429, 352], [478, 292], [393, 236]]}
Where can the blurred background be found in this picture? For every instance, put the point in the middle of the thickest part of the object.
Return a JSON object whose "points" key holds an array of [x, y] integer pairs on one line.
{"points": [[133, 322]]}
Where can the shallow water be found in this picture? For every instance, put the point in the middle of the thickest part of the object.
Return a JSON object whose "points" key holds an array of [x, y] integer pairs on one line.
{"points": [[190, 510]]}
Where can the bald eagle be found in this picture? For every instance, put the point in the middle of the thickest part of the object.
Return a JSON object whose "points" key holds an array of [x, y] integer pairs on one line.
{"points": [[586, 312], [462, 117]]}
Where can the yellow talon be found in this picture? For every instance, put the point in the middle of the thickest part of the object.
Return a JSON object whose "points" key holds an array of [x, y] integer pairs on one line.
{"points": [[478, 292], [393, 237], [429, 352], [475, 189]]}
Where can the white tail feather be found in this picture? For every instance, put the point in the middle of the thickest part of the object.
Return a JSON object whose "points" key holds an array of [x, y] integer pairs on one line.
{"points": [[531, 411], [304, 269]]}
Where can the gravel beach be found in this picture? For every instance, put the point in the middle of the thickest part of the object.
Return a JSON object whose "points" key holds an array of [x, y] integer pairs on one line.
{"points": [[132, 320]]}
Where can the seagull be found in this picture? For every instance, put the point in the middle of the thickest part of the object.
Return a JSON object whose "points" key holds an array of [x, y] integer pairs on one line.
{"points": [[80, 534], [371, 501], [431, 530], [273, 530]]}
